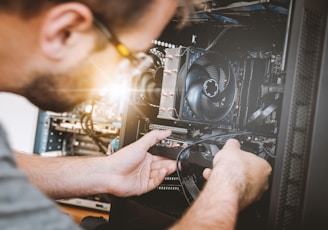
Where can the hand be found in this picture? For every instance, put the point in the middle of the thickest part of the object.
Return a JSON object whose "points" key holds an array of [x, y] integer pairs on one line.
{"points": [[134, 171], [246, 171], [237, 179]]}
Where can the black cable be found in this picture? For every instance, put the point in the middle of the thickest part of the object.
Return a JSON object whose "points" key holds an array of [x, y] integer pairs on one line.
{"points": [[216, 40], [267, 152], [88, 128], [180, 176], [209, 138]]}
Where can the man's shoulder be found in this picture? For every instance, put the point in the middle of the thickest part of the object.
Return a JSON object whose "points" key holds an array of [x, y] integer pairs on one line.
{"points": [[5, 149]]}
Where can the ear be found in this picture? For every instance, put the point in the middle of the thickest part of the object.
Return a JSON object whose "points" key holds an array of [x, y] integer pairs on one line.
{"points": [[62, 28]]}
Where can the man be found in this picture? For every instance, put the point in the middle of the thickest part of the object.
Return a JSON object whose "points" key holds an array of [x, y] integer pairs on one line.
{"points": [[53, 53]]}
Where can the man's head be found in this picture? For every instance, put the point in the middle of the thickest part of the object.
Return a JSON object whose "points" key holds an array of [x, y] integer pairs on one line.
{"points": [[56, 56]]}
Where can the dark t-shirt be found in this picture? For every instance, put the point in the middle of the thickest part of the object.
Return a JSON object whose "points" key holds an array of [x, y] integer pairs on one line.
{"points": [[22, 205]]}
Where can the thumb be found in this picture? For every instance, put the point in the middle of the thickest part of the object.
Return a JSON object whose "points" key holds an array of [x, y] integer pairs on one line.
{"points": [[207, 173], [231, 144]]}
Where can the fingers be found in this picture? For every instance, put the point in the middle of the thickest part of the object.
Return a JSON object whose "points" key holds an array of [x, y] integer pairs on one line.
{"points": [[152, 138], [159, 170], [247, 171], [206, 173], [160, 163], [231, 144]]}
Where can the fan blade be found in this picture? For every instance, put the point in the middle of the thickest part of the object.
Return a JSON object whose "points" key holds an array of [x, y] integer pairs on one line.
{"points": [[214, 111], [196, 73], [193, 96], [222, 95]]}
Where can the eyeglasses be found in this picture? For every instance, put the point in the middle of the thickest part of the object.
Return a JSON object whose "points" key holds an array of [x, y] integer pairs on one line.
{"points": [[132, 63]]}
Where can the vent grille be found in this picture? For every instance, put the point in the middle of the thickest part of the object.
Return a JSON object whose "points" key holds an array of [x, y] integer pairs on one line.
{"points": [[298, 140]]}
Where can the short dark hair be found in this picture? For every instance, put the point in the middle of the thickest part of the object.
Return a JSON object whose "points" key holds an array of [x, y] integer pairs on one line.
{"points": [[125, 11]]}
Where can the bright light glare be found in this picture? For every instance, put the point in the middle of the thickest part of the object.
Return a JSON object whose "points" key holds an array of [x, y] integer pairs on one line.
{"points": [[115, 91], [88, 108]]}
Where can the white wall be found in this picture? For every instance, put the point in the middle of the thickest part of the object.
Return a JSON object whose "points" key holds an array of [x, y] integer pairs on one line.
{"points": [[19, 117]]}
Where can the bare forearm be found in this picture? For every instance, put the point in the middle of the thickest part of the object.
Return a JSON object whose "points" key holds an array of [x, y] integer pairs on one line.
{"points": [[62, 177], [217, 206], [211, 212]]}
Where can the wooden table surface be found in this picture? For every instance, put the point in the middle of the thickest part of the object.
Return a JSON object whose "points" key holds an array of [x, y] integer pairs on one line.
{"points": [[78, 213]]}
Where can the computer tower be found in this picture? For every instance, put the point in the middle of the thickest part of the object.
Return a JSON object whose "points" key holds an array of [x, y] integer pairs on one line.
{"points": [[277, 100], [299, 190]]}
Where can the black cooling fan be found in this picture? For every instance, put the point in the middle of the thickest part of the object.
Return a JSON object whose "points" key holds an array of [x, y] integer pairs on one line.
{"points": [[150, 82], [209, 89]]}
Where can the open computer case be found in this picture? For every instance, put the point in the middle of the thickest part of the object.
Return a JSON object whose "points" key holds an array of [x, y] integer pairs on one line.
{"points": [[267, 88], [256, 71]]}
